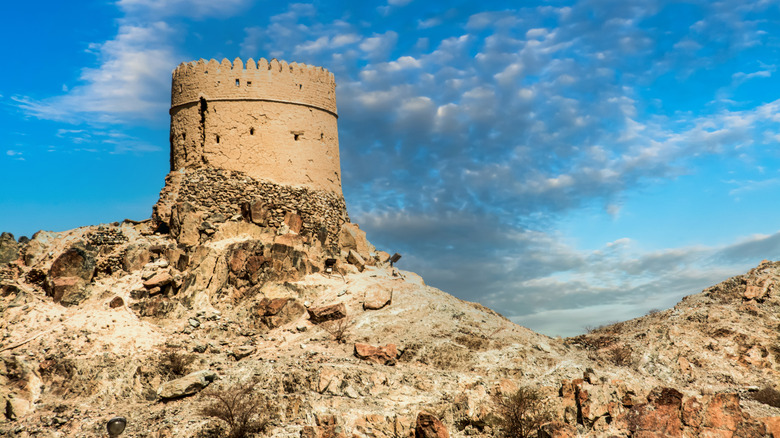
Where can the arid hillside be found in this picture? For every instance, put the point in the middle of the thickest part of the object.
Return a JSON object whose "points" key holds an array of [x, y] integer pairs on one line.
{"points": [[230, 300]]}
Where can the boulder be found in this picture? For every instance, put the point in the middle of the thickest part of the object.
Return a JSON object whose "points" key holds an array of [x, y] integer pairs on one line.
{"points": [[160, 279], [377, 298], [318, 315], [187, 385], [354, 258], [74, 262], [428, 426], [69, 291], [116, 302], [279, 311], [352, 237], [9, 248], [386, 355], [16, 408]]}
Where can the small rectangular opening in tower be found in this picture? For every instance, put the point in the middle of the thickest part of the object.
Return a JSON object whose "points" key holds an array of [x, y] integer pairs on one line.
{"points": [[238, 82], [248, 83]]}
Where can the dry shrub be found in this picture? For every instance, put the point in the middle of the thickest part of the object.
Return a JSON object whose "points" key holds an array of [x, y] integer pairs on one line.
{"points": [[171, 362], [768, 396], [447, 356], [621, 356], [473, 342], [338, 329], [244, 411], [522, 413]]}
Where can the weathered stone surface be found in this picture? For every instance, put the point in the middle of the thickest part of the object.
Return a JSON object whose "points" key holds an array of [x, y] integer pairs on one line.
{"points": [[557, 429], [218, 190], [16, 408], [9, 248], [318, 315], [355, 259], [187, 385], [385, 355], [160, 279], [660, 416], [74, 262], [68, 291], [293, 221], [135, 257], [279, 311], [116, 302], [377, 298], [255, 211], [351, 237], [428, 426], [772, 426], [185, 223]]}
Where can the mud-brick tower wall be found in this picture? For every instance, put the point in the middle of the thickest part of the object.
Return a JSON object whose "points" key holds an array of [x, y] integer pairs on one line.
{"points": [[271, 120]]}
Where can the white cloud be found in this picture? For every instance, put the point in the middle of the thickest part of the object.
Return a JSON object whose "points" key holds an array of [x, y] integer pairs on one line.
{"points": [[187, 8], [132, 80]]}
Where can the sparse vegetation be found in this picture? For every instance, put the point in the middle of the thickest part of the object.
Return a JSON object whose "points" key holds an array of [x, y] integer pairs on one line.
{"points": [[768, 396], [522, 413], [173, 363], [244, 411], [339, 329], [621, 356]]}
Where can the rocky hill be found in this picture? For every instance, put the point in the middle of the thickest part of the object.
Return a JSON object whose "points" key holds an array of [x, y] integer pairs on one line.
{"points": [[232, 294]]}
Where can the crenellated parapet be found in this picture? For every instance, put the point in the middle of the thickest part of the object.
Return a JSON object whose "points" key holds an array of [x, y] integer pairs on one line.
{"points": [[273, 121], [275, 81]]}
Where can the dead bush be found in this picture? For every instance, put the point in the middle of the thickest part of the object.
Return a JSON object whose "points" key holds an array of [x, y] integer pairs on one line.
{"points": [[244, 411], [173, 363], [522, 413], [768, 396], [621, 356], [338, 329]]}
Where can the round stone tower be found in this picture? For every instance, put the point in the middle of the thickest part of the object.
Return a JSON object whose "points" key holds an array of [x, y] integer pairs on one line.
{"points": [[271, 120]]}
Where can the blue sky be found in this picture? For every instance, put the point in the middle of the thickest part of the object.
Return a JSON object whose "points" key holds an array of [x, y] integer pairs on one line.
{"points": [[567, 163]]}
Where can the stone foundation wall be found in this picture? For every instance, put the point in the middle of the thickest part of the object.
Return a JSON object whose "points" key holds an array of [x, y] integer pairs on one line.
{"points": [[219, 195]]}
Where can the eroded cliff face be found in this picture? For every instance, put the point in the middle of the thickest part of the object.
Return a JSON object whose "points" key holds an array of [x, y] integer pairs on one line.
{"points": [[237, 282]]}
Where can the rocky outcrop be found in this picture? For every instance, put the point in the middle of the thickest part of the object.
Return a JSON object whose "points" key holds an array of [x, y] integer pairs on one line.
{"points": [[428, 426], [9, 248], [385, 355], [187, 385], [331, 312]]}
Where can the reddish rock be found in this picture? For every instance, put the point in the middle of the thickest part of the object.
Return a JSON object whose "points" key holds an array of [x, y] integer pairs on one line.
{"points": [[723, 412], [293, 221], [159, 279], [386, 355], [75, 262], [327, 313], [772, 426], [279, 311], [116, 302], [557, 429], [659, 417], [428, 426], [68, 290]]}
